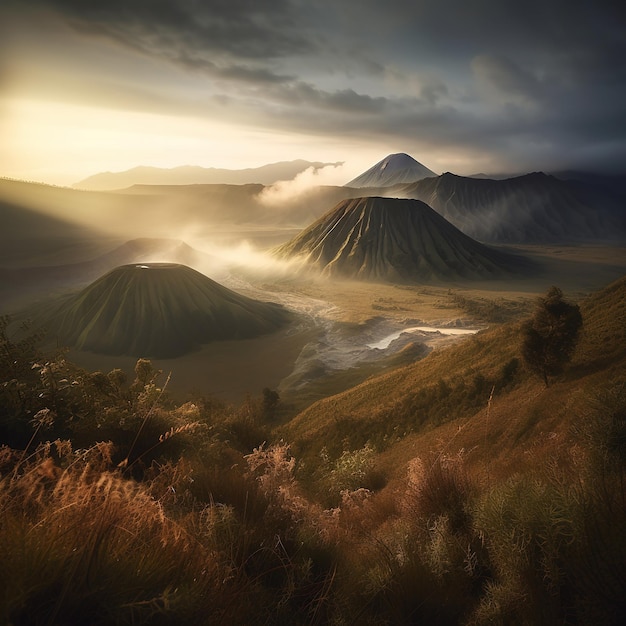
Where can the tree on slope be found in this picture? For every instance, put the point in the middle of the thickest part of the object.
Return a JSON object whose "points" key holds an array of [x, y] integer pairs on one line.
{"points": [[550, 336]]}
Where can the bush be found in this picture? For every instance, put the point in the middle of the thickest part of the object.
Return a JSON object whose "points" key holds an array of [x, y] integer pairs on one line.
{"points": [[550, 337]]}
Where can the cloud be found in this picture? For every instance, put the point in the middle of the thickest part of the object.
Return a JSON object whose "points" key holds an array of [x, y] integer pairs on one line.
{"points": [[239, 28], [517, 83], [285, 192], [506, 81]]}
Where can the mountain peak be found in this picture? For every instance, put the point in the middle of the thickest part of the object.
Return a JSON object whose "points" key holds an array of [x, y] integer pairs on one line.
{"points": [[395, 239], [394, 169], [160, 310]]}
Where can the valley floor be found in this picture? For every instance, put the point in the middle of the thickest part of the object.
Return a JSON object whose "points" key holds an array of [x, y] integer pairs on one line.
{"points": [[326, 351]]}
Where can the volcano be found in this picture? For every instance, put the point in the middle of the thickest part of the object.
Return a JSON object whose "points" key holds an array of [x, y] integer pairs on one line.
{"points": [[160, 310], [391, 239], [394, 169]]}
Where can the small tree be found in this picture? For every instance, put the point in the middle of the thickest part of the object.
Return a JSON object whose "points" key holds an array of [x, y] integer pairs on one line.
{"points": [[550, 336]]}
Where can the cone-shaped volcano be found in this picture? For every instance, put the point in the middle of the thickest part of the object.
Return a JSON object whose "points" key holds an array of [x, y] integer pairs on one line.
{"points": [[399, 240], [394, 169], [159, 310]]}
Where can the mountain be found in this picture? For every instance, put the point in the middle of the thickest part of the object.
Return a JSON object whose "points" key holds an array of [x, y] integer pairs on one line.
{"points": [[160, 310], [40, 221], [20, 285], [396, 240], [192, 175], [534, 208], [394, 169]]}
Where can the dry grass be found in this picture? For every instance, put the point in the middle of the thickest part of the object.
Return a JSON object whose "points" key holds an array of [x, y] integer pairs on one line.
{"points": [[510, 509], [82, 542], [522, 417]]}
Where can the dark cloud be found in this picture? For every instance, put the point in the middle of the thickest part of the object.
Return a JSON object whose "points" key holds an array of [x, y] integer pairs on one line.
{"points": [[241, 28], [528, 82], [507, 79], [236, 40], [344, 101]]}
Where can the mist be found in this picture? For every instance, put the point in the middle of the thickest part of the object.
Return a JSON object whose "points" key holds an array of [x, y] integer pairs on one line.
{"points": [[284, 193]]}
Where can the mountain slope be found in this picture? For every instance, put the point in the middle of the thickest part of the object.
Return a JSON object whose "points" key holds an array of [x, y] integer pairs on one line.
{"points": [[395, 239], [475, 398], [535, 208], [394, 169], [158, 310], [192, 175]]}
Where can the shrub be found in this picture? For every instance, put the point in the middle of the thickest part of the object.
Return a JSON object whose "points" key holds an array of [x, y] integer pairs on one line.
{"points": [[527, 526], [549, 338]]}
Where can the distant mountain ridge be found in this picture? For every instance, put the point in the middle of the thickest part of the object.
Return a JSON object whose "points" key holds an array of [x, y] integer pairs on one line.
{"points": [[391, 239], [533, 208], [394, 169], [196, 175]]}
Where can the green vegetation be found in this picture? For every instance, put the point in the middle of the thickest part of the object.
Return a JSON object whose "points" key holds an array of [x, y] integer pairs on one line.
{"points": [[490, 310], [551, 335], [496, 500]]}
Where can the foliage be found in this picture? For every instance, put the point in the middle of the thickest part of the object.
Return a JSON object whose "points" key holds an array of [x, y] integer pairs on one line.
{"points": [[82, 543], [550, 337], [147, 511], [489, 310]]}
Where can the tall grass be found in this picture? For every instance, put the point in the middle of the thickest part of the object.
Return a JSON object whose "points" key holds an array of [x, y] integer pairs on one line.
{"points": [[242, 544], [82, 544], [157, 513]]}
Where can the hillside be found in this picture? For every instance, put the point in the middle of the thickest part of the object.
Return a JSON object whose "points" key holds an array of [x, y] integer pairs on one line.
{"points": [[39, 220], [534, 208], [394, 169], [459, 490], [157, 310], [390, 239], [440, 403]]}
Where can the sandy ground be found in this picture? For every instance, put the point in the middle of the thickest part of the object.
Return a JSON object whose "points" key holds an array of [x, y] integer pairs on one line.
{"points": [[228, 370]]}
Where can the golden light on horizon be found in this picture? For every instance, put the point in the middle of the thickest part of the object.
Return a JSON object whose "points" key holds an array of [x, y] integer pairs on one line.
{"points": [[70, 141], [65, 142], [61, 143]]}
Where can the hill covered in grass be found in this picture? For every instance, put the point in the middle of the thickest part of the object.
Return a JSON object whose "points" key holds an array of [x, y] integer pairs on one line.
{"points": [[458, 490], [442, 401], [158, 310], [21, 283]]}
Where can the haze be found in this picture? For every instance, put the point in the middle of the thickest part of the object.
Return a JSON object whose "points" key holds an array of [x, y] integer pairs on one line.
{"points": [[487, 86]]}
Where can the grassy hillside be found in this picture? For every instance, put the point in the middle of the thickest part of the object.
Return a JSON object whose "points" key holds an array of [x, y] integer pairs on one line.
{"points": [[442, 401], [456, 490]]}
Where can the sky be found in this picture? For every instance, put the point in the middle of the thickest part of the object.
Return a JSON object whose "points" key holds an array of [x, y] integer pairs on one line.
{"points": [[464, 86]]}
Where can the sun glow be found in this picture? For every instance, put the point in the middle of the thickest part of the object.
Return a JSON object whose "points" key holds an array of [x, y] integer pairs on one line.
{"points": [[61, 143]]}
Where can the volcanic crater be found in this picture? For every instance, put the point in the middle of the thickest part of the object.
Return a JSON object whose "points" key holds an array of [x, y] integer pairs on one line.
{"points": [[402, 240]]}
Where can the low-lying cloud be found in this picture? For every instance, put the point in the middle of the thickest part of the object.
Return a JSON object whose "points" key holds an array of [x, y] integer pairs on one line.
{"points": [[285, 192]]}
